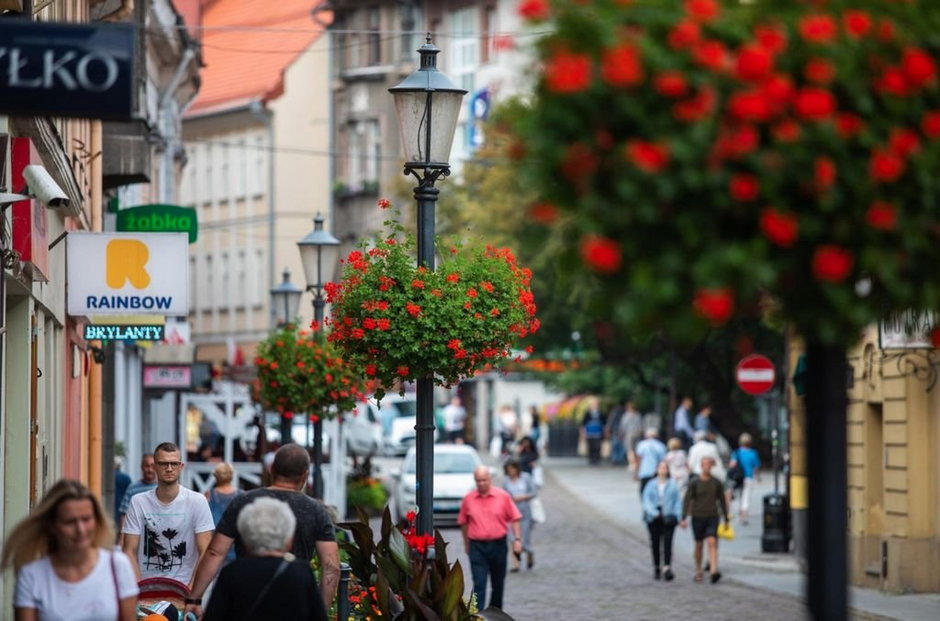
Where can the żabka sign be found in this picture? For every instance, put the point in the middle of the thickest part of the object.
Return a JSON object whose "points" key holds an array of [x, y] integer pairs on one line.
{"points": [[113, 273], [159, 219], [73, 70]]}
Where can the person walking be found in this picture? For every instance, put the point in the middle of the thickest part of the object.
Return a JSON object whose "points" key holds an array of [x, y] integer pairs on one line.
{"points": [[455, 420], [705, 503], [315, 534], [147, 482], [678, 464], [680, 422], [122, 481], [593, 427], [520, 486], [535, 426], [221, 495], [268, 582], [631, 426], [527, 455], [749, 462], [662, 507], [649, 452], [486, 515], [702, 448], [618, 449], [65, 565], [703, 420]]}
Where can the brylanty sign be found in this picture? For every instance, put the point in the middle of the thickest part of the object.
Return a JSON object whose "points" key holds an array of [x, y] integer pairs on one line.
{"points": [[113, 273], [123, 333], [72, 70]]}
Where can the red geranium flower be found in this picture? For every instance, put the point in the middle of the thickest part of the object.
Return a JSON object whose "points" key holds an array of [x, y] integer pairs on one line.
{"points": [[601, 254], [566, 72], [670, 84], [710, 54], [647, 156], [857, 23], [893, 81], [683, 35], [824, 172], [744, 188], [753, 63], [786, 130], [621, 66], [750, 106], [848, 124], [918, 66], [771, 38], [403, 371], [882, 215], [832, 263], [580, 161], [383, 203], [413, 309], [930, 123], [543, 213], [818, 28], [885, 166], [903, 142], [814, 104], [697, 107], [702, 10], [819, 70], [715, 305], [534, 10], [780, 228]]}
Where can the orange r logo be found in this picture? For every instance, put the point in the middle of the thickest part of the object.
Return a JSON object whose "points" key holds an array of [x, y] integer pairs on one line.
{"points": [[126, 261]]}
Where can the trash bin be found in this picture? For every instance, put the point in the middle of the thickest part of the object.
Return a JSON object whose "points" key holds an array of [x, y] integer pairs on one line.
{"points": [[776, 536]]}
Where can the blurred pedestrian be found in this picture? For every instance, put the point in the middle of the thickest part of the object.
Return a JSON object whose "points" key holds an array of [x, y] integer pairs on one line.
{"points": [[649, 452], [662, 507], [705, 502], [520, 486], [535, 429], [455, 420], [148, 481], [681, 425], [65, 565], [486, 515], [169, 527], [703, 420], [527, 455], [268, 582], [315, 534], [593, 429], [221, 495], [631, 426], [749, 461], [618, 450], [702, 448], [122, 481], [678, 464], [508, 428]]}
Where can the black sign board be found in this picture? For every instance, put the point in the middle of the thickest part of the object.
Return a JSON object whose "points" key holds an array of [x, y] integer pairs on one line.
{"points": [[71, 70], [94, 332]]}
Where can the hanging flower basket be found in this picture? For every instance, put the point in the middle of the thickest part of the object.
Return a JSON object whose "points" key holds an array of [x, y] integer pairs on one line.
{"points": [[778, 147], [300, 373], [400, 322]]}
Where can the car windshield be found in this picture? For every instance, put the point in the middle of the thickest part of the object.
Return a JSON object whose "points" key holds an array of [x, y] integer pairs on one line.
{"points": [[447, 463], [402, 409]]}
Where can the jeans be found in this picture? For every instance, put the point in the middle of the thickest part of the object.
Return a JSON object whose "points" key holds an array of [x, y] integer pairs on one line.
{"points": [[488, 559], [661, 536], [618, 452], [594, 450]]}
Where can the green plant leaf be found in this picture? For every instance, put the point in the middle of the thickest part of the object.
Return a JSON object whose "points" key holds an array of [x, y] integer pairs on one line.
{"points": [[399, 550]]}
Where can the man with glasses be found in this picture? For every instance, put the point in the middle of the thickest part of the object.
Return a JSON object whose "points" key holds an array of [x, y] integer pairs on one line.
{"points": [[168, 528]]}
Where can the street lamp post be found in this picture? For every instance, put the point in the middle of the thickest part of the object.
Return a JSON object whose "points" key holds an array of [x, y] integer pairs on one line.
{"points": [[285, 300], [427, 104], [318, 253]]}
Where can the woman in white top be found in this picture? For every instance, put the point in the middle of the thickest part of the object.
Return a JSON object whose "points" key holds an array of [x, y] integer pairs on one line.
{"points": [[65, 568]]}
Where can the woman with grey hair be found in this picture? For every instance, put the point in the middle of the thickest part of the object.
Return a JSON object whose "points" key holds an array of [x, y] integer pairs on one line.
{"points": [[269, 582]]}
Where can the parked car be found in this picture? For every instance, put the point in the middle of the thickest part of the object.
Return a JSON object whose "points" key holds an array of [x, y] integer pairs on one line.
{"points": [[397, 416], [362, 432], [453, 478]]}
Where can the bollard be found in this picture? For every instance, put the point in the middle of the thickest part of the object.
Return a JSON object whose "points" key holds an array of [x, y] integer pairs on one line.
{"points": [[776, 537], [342, 597]]}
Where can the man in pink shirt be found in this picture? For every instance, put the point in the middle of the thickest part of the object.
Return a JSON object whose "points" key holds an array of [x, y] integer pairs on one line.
{"points": [[486, 514]]}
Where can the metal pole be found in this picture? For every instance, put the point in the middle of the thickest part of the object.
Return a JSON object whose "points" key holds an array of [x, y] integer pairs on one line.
{"points": [[827, 549], [775, 438], [342, 596], [426, 196], [318, 305]]}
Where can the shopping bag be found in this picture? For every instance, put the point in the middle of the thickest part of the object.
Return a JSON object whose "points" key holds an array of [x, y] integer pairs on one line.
{"points": [[538, 511], [538, 476], [725, 531]]}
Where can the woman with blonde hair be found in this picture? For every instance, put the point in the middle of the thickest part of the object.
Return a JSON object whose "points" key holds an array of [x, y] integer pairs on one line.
{"points": [[221, 495], [678, 463], [65, 566]]}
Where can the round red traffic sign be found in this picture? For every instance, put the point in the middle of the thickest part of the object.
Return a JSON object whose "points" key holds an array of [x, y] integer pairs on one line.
{"points": [[755, 374]]}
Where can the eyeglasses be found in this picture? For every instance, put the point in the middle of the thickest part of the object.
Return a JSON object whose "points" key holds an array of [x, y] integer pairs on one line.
{"points": [[172, 465]]}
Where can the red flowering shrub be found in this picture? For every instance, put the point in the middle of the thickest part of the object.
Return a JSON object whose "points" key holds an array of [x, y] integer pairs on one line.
{"points": [[787, 147], [301, 374], [400, 322]]}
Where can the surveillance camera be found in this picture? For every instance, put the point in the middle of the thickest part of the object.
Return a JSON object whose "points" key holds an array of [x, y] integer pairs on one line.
{"points": [[42, 186], [98, 355]]}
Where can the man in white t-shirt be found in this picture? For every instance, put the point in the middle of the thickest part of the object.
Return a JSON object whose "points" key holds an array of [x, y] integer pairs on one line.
{"points": [[168, 528], [455, 419]]}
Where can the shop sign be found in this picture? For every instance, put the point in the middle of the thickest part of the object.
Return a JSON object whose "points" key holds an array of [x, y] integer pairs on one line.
{"points": [[168, 376], [907, 330], [70, 70], [159, 219], [122, 273], [123, 333]]}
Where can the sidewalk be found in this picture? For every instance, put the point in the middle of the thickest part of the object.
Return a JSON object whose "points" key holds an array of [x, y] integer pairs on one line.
{"points": [[612, 492]]}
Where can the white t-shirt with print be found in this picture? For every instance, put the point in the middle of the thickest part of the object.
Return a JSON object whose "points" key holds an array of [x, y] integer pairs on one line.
{"points": [[90, 599], [167, 532]]}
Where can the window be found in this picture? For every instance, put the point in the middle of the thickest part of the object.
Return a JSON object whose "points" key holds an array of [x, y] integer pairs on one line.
{"points": [[465, 47], [225, 283], [260, 279], [238, 165], [193, 289], [489, 33], [257, 170], [240, 294], [209, 293], [374, 37], [363, 151]]}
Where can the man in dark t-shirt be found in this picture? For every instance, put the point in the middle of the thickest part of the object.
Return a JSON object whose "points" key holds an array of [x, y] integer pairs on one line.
{"points": [[705, 502], [314, 533]]}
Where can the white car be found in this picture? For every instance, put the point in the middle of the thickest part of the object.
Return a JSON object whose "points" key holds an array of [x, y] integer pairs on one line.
{"points": [[453, 478], [362, 432]]}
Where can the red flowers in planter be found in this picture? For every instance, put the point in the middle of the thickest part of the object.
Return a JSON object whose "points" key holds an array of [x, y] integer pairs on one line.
{"points": [[832, 263]]}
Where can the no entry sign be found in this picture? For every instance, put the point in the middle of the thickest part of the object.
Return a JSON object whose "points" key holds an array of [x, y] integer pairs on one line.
{"points": [[755, 374]]}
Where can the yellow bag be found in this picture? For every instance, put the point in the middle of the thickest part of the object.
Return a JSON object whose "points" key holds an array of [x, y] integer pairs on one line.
{"points": [[725, 531]]}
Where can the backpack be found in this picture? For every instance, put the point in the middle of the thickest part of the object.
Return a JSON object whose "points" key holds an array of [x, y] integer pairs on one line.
{"points": [[736, 473]]}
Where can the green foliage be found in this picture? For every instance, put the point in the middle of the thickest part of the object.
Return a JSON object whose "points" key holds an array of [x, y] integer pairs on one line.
{"points": [[298, 372], [394, 574], [401, 322], [791, 156], [366, 493]]}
